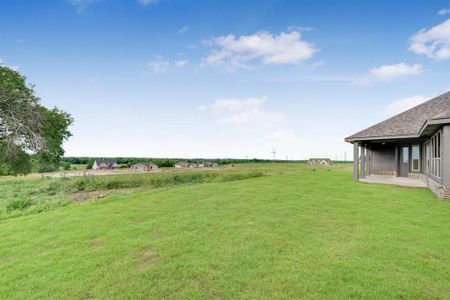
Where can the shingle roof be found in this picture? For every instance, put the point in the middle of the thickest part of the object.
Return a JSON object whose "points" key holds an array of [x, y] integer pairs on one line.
{"points": [[108, 162], [408, 123], [144, 164]]}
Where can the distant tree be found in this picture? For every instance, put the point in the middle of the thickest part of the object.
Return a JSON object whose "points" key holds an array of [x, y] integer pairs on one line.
{"points": [[90, 163], [67, 166], [28, 130]]}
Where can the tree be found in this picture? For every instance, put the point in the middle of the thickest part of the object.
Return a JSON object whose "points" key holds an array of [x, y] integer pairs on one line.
{"points": [[67, 166], [28, 130], [90, 163]]}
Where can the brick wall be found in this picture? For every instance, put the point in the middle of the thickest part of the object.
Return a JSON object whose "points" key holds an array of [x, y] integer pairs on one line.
{"points": [[438, 189]]}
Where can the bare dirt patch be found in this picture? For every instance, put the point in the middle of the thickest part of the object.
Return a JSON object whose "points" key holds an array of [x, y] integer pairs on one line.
{"points": [[97, 243], [158, 234], [83, 196], [145, 258]]}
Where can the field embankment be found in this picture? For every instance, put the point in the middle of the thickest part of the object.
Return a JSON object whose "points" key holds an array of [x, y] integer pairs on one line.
{"points": [[20, 197]]}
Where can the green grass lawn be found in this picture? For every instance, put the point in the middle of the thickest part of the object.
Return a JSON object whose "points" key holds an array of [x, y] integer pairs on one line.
{"points": [[295, 233]]}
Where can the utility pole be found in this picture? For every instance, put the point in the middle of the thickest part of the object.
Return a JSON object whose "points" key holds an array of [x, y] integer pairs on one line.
{"points": [[345, 156], [274, 153]]}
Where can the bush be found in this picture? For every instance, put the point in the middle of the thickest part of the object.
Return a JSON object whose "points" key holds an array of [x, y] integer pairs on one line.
{"points": [[89, 165], [82, 183], [18, 204], [52, 188]]}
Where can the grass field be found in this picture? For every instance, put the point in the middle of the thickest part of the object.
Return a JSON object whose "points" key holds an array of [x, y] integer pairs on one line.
{"points": [[295, 232]]}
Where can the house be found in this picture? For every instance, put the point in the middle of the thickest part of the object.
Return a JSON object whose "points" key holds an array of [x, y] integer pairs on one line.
{"points": [[320, 162], [182, 165], [142, 167], [208, 164], [105, 164], [413, 144]]}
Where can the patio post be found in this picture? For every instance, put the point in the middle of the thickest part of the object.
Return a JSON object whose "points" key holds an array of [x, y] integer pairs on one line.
{"points": [[355, 161], [363, 162], [445, 155], [396, 161]]}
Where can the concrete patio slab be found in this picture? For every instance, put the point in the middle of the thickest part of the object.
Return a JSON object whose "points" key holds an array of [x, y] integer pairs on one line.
{"points": [[401, 181]]}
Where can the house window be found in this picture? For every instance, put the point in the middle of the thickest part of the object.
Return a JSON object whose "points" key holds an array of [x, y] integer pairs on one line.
{"points": [[433, 155], [415, 155], [405, 155]]}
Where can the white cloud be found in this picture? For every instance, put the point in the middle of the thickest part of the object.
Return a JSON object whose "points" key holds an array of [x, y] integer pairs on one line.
{"points": [[388, 73], [147, 2], [229, 104], [184, 29], [243, 111], [159, 65], [181, 63], [444, 11], [264, 47], [403, 104], [434, 42], [392, 72]]}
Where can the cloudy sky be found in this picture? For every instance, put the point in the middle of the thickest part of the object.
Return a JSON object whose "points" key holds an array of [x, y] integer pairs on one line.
{"points": [[179, 78]]}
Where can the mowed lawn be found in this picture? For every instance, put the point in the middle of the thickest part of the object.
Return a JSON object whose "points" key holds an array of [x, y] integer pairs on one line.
{"points": [[297, 233]]}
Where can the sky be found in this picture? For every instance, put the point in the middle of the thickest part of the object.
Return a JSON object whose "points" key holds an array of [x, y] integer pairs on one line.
{"points": [[218, 79]]}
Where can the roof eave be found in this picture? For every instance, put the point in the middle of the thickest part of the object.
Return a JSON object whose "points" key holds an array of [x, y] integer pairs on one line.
{"points": [[433, 122], [380, 138]]}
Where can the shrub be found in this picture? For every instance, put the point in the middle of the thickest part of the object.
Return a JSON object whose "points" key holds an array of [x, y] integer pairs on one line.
{"points": [[82, 183], [18, 204]]}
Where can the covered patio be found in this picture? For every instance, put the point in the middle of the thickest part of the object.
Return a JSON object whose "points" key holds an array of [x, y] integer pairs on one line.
{"points": [[393, 180]]}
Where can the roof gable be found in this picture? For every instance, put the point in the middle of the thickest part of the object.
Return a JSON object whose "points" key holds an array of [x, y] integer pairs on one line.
{"points": [[408, 123]]}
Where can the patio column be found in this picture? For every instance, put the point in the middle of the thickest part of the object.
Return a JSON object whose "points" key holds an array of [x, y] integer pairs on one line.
{"points": [[445, 155], [396, 162], [355, 161], [363, 162]]}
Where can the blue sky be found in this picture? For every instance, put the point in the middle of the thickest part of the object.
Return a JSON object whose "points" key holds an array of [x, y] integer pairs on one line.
{"points": [[226, 78]]}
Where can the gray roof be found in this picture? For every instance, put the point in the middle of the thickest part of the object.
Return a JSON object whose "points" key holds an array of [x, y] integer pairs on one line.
{"points": [[408, 123], [108, 162], [144, 164]]}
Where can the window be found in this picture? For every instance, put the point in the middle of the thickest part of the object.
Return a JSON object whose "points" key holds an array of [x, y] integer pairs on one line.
{"points": [[405, 155], [433, 155], [415, 156]]}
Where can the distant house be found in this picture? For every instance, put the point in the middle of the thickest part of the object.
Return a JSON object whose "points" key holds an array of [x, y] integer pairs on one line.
{"points": [[105, 164], [182, 165], [193, 165], [414, 144], [320, 162], [142, 167], [209, 164]]}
